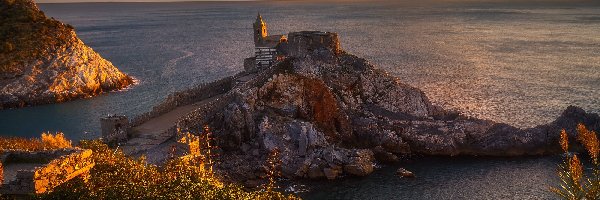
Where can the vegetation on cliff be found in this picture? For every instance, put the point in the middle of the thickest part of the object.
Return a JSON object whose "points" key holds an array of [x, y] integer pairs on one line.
{"points": [[43, 61], [26, 33], [117, 176]]}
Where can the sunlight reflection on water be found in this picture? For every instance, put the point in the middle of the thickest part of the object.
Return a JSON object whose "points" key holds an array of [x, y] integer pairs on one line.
{"points": [[518, 64]]}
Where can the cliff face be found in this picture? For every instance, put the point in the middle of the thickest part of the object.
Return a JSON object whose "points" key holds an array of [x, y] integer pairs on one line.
{"points": [[331, 113], [43, 61]]}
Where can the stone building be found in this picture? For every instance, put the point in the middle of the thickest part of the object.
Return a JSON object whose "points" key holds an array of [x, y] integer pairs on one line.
{"points": [[114, 128], [309, 42], [268, 49], [265, 45], [34, 172]]}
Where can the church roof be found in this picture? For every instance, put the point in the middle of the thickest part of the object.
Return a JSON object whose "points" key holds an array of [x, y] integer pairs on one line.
{"points": [[271, 41]]}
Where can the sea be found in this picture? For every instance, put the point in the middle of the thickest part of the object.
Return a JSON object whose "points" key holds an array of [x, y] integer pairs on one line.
{"points": [[516, 62]]}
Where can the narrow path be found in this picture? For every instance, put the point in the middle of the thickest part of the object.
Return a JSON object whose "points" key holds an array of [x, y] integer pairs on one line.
{"points": [[154, 132]]}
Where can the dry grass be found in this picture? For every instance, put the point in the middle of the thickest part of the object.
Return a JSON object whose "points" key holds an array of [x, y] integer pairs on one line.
{"points": [[48, 141], [575, 183], [117, 176], [26, 33]]}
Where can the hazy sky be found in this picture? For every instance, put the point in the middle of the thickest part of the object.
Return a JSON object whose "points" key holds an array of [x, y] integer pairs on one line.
{"points": [[70, 1]]}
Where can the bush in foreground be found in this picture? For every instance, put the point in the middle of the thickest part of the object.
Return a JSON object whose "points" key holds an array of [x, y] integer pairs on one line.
{"points": [[574, 182], [48, 141], [117, 176]]}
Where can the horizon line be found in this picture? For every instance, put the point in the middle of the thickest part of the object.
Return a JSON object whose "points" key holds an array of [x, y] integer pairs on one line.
{"points": [[142, 1], [349, 1]]}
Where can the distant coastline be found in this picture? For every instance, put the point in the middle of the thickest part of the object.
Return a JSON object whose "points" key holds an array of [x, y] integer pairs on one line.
{"points": [[140, 1], [564, 2]]}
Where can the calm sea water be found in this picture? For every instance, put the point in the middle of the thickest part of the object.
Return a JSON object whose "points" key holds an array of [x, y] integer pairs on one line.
{"points": [[448, 178], [520, 64]]}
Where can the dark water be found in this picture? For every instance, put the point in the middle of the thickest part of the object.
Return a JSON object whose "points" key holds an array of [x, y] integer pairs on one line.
{"points": [[519, 63], [448, 178]]}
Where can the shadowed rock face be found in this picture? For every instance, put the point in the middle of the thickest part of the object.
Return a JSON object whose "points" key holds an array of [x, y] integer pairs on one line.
{"points": [[331, 113], [463, 136], [43, 61]]}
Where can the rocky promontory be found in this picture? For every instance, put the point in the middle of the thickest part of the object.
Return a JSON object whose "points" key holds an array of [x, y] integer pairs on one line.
{"points": [[331, 113], [43, 61]]}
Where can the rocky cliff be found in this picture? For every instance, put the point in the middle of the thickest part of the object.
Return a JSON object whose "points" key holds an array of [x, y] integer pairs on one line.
{"points": [[42, 60], [330, 113]]}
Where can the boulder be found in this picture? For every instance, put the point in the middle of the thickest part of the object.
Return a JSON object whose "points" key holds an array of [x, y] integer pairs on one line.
{"points": [[404, 173], [360, 163], [315, 172], [383, 156], [332, 173]]}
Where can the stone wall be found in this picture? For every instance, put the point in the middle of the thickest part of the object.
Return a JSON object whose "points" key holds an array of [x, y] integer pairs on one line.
{"points": [[114, 128], [62, 169], [185, 97], [23, 184], [250, 64], [199, 117], [303, 43], [57, 167]]}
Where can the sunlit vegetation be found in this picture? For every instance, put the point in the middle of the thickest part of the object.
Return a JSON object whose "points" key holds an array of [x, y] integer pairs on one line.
{"points": [[26, 33], [575, 183], [273, 169], [117, 176], [48, 141], [200, 150]]}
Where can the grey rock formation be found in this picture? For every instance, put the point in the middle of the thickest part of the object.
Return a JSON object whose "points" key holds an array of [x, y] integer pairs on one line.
{"points": [[330, 113]]}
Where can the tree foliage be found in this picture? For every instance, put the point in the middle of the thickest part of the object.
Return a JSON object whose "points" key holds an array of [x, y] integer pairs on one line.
{"points": [[117, 176], [26, 33]]}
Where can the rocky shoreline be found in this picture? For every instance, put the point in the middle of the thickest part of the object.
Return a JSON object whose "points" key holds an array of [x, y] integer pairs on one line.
{"points": [[331, 113], [352, 115], [43, 61]]}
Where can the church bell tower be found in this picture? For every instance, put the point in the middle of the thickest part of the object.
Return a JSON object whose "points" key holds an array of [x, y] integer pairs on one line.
{"points": [[260, 30]]}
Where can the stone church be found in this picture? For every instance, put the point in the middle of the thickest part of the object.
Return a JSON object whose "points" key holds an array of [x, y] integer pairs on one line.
{"points": [[265, 46], [269, 49]]}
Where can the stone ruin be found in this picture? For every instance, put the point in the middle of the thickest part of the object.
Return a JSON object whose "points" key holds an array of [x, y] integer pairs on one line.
{"points": [[114, 128], [300, 44], [303, 43], [36, 172], [250, 65], [271, 49]]}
